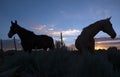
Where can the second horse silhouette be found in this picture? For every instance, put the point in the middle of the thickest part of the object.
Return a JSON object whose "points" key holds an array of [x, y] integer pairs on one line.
{"points": [[85, 41], [29, 40]]}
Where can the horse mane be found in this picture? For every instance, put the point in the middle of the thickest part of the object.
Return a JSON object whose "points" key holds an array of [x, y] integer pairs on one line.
{"points": [[25, 30], [94, 24]]}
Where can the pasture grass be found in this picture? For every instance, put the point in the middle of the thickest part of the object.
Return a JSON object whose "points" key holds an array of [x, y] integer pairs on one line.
{"points": [[60, 63]]}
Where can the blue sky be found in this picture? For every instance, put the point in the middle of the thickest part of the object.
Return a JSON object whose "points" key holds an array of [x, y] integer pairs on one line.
{"points": [[53, 16]]}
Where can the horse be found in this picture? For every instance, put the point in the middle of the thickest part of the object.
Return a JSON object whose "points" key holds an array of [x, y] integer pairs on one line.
{"points": [[29, 40], [85, 41]]}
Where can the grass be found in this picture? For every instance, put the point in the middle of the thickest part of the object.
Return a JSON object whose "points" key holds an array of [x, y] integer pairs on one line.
{"points": [[60, 63]]}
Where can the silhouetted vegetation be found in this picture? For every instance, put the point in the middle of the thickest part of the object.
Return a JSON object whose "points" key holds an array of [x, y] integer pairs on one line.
{"points": [[60, 63]]}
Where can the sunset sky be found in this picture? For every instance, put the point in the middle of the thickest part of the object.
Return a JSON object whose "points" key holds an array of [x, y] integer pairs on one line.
{"points": [[54, 16]]}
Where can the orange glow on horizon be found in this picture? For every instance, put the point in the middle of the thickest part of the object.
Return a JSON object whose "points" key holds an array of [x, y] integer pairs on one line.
{"points": [[97, 47]]}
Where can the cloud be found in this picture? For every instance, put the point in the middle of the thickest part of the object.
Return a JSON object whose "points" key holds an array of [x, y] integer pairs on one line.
{"points": [[107, 42], [44, 29], [106, 39], [68, 35], [51, 31], [69, 32], [40, 27]]}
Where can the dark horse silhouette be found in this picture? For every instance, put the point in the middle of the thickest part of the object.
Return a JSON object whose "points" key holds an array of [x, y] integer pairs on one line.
{"points": [[29, 40], [85, 41]]}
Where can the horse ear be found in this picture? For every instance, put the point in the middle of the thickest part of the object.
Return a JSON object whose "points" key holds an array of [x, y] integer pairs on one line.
{"points": [[15, 21], [11, 22], [109, 18]]}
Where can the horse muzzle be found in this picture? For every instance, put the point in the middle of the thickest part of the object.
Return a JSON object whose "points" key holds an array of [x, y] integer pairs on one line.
{"points": [[10, 35], [113, 36]]}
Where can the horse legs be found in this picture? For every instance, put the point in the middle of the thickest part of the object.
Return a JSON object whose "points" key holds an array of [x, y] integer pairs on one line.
{"points": [[26, 49], [52, 47], [45, 49], [29, 50]]}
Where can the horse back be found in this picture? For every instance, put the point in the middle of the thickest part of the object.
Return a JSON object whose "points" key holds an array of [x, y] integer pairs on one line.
{"points": [[44, 40]]}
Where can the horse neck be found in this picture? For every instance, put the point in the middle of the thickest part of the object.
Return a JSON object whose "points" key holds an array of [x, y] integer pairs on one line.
{"points": [[93, 29], [23, 33]]}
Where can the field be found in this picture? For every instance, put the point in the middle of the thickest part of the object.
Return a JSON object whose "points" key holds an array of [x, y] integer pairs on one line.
{"points": [[60, 63]]}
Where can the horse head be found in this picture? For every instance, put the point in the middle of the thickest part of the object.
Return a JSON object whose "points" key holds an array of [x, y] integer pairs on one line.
{"points": [[107, 28], [13, 29]]}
